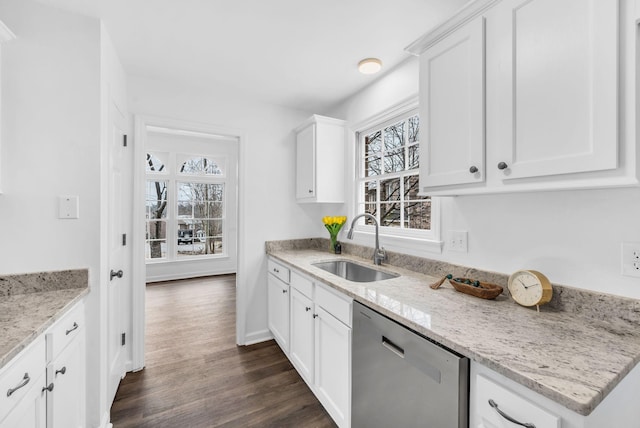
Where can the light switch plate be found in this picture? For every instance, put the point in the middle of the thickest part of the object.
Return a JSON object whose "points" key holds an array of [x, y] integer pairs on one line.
{"points": [[68, 207]]}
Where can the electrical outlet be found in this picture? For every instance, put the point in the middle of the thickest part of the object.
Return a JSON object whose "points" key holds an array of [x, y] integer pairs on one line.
{"points": [[631, 259], [457, 241]]}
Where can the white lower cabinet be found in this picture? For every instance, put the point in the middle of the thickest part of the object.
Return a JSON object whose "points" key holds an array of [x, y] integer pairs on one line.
{"points": [[278, 303], [494, 399], [333, 366], [319, 339], [45, 385], [302, 335]]}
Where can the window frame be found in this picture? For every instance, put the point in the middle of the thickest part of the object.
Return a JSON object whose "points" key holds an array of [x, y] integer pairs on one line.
{"points": [[411, 241], [173, 177]]}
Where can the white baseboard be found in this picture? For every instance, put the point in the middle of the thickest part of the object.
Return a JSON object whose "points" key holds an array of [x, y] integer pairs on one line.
{"points": [[106, 420], [257, 337]]}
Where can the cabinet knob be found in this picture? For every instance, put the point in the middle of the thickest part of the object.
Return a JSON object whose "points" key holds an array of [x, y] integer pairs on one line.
{"points": [[48, 388], [310, 191], [276, 270], [63, 370], [284, 291], [502, 166], [307, 308], [315, 315], [73, 327], [473, 169]]}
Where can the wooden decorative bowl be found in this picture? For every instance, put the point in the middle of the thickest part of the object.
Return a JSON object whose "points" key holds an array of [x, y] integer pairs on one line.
{"points": [[485, 290]]}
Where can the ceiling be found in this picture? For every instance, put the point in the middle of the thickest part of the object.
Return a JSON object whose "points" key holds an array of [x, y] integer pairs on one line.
{"points": [[301, 54]]}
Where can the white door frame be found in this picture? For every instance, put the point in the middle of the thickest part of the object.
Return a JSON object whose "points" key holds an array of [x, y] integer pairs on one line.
{"points": [[139, 267]]}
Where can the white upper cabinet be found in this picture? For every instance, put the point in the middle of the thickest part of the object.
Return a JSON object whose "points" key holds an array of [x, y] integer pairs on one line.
{"points": [[320, 154], [452, 107], [520, 95], [558, 86]]}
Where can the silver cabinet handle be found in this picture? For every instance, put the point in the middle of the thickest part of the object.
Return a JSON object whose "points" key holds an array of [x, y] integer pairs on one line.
{"points": [[63, 370], [25, 380], [74, 327], [509, 418], [48, 388]]}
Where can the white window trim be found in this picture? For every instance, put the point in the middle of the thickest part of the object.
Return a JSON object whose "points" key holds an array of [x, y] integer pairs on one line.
{"points": [[413, 242]]}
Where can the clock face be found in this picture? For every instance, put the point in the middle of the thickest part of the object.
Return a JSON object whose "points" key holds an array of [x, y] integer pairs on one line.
{"points": [[528, 289]]}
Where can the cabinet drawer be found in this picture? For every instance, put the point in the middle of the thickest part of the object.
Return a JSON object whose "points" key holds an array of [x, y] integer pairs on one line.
{"points": [[511, 404], [65, 330], [302, 284], [278, 270], [334, 302], [25, 369]]}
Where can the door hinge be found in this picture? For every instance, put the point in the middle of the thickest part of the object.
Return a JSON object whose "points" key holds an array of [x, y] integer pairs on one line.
{"points": [[123, 338], [124, 239], [124, 140]]}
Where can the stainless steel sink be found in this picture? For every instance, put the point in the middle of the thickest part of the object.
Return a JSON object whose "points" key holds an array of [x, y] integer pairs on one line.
{"points": [[353, 271]]}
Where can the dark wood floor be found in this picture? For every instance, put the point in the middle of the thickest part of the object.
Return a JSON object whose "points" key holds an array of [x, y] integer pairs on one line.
{"points": [[196, 376]]}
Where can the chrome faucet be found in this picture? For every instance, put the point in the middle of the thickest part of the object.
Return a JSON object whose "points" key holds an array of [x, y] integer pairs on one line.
{"points": [[378, 254]]}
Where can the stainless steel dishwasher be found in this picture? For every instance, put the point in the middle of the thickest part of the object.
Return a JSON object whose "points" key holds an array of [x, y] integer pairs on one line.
{"points": [[401, 379]]}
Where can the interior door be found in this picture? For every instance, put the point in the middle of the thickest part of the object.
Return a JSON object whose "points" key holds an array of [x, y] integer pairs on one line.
{"points": [[119, 212]]}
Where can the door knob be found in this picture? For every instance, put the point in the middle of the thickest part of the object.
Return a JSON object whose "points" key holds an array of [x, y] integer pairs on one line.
{"points": [[114, 274]]}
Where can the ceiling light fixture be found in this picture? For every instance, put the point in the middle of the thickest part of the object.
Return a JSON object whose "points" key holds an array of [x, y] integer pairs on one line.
{"points": [[369, 65]]}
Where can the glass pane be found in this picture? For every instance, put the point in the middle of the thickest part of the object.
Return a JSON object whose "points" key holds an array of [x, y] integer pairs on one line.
{"points": [[390, 190], [411, 188], [215, 245], [155, 162], [185, 210], [199, 165], [156, 199], [372, 166], [215, 209], [155, 242], [413, 154], [200, 209], [373, 143], [413, 130], [390, 215], [394, 161], [418, 214], [370, 191], [195, 248], [370, 209], [394, 136]]}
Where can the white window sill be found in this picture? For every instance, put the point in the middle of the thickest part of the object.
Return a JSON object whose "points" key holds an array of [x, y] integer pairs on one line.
{"points": [[399, 244]]}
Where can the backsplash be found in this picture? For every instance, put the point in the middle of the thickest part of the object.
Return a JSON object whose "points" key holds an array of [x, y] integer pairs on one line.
{"points": [[590, 304], [43, 281]]}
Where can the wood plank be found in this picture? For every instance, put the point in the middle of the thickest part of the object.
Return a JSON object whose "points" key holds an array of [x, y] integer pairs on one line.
{"points": [[196, 376]]}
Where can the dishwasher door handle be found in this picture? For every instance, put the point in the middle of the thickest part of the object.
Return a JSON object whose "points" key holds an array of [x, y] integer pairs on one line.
{"points": [[392, 347]]}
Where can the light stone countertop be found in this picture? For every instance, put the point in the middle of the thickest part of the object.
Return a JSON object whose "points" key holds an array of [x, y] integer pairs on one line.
{"points": [[30, 303], [573, 359]]}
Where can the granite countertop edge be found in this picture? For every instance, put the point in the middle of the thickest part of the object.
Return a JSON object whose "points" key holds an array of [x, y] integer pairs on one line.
{"points": [[583, 405], [19, 327]]}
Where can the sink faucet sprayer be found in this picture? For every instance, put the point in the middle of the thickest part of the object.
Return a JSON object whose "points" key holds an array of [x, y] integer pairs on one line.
{"points": [[378, 254]]}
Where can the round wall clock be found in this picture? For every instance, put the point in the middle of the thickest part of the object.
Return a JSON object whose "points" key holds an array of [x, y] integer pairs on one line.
{"points": [[530, 288]]}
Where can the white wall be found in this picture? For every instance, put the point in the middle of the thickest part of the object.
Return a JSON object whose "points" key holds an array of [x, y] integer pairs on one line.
{"points": [[268, 210], [51, 147], [574, 237]]}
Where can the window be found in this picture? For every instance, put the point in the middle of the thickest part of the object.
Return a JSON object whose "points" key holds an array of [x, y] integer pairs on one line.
{"points": [[388, 158], [186, 201]]}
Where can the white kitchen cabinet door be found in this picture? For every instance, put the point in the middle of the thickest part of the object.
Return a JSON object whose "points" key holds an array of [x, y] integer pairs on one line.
{"points": [[31, 411], [558, 87], [278, 308], [452, 108], [66, 403], [302, 335], [320, 154], [333, 366], [306, 163]]}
